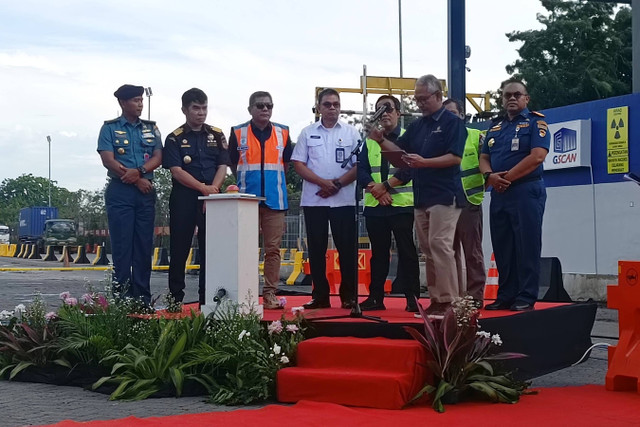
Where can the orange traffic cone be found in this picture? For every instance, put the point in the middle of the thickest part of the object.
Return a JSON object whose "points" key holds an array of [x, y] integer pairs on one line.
{"points": [[491, 286]]}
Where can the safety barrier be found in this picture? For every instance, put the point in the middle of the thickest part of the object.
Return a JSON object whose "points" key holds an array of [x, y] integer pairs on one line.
{"points": [[4, 249], [35, 252], [623, 373], [160, 257], [12, 250], [364, 272], [66, 255], [81, 257], [20, 248], [50, 255], [101, 257], [193, 261]]}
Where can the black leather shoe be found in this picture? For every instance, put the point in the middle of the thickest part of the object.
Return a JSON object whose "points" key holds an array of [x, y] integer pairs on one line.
{"points": [[314, 303], [498, 305], [348, 304], [371, 304], [411, 307], [521, 306]]}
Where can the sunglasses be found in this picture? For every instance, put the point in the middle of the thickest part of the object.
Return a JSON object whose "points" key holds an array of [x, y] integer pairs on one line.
{"points": [[262, 105], [328, 104], [390, 109], [516, 95]]}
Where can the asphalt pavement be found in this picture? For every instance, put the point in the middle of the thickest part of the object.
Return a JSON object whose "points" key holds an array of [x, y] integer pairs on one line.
{"points": [[37, 404]]}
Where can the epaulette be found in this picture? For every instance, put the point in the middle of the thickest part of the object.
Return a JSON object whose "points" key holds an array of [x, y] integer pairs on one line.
{"points": [[177, 131], [215, 129], [108, 122], [536, 113], [150, 122]]}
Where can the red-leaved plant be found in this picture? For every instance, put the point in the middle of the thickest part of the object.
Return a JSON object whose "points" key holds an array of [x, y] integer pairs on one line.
{"points": [[460, 357]]}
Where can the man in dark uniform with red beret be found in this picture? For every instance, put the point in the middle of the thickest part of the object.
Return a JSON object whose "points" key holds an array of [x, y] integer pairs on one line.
{"points": [[130, 149], [197, 156]]}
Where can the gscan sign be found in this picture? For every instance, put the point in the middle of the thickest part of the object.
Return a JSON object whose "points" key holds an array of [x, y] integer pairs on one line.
{"points": [[570, 145]]}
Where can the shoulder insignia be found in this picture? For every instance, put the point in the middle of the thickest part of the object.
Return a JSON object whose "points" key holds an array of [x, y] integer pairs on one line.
{"points": [[177, 131], [215, 129], [496, 127], [536, 113], [542, 124], [108, 122]]}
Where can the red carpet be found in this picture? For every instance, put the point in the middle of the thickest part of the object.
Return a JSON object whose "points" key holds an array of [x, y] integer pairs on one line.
{"points": [[393, 314], [569, 406]]}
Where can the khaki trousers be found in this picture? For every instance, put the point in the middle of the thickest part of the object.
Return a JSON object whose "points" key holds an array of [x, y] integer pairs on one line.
{"points": [[436, 227], [272, 229]]}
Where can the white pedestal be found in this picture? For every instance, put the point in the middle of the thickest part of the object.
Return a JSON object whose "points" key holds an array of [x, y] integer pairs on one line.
{"points": [[232, 251]]}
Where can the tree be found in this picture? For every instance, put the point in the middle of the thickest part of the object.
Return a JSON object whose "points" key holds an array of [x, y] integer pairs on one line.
{"points": [[584, 53]]}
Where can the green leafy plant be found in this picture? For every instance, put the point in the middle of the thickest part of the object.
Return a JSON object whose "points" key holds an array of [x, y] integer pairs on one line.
{"points": [[460, 357], [139, 374]]}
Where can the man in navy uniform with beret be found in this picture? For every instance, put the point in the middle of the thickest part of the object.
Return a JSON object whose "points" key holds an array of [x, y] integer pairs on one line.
{"points": [[130, 149], [511, 161], [197, 155]]}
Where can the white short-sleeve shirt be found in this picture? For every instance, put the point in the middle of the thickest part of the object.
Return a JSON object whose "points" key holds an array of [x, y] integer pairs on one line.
{"points": [[323, 150]]}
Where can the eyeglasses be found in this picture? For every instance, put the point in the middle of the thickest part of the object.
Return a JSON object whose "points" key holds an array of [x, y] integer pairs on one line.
{"points": [[328, 104], [390, 109], [422, 100], [516, 95], [261, 105]]}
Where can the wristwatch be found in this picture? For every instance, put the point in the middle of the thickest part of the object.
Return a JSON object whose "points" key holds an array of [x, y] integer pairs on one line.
{"points": [[142, 170], [387, 185], [486, 175], [337, 183]]}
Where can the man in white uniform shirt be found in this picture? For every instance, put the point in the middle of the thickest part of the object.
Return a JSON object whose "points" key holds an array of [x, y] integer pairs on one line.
{"points": [[328, 197]]}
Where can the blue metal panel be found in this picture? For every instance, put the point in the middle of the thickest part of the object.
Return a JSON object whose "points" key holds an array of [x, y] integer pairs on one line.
{"points": [[32, 221]]}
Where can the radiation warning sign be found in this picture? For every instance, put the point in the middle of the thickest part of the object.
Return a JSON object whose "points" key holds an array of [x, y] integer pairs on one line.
{"points": [[618, 140]]}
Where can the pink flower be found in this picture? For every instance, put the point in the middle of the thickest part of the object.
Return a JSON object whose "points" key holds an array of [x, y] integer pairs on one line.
{"points": [[65, 295], [71, 301], [292, 328], [102, 300], [50, 315], [297, 310], [87, 298], [283, 301], [275, 327]]}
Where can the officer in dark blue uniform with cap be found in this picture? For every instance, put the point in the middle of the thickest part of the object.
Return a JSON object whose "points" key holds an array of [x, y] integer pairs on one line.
{"points": [[511, 161], [197, 156], [130, 149]]}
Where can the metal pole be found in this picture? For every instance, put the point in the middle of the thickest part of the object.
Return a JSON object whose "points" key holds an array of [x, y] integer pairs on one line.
{"points": [[149, 93], [401, 71], [49, 141], [456, 43], [635, 45]]}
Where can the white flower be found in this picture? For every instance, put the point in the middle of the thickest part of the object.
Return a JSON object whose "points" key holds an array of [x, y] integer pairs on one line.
{"points": [[292, 328], [275, 326], [248, 334], [296, 310], [276, 349], [271, 355], [242, 334], [483, 334], [284, 360], [50, 315], [65, 295], [496, 339], [5, 314], [20, 308]]}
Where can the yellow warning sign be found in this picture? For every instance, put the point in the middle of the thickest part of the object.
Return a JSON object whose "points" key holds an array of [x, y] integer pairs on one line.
{"points": [[618, 140]]}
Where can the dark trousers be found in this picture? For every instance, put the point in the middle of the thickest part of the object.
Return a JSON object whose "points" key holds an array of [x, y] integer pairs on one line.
{"points": [[380, 229], [516, 237], [343, 230], [131, 215], [185, 213], [468, 238]]}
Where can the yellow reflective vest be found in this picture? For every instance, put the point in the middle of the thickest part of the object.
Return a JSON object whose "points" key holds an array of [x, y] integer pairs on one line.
{"points": [[402, 195], [472, 179]]}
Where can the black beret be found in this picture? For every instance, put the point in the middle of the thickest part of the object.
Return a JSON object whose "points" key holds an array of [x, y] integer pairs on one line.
{"points": [[128, 91]]}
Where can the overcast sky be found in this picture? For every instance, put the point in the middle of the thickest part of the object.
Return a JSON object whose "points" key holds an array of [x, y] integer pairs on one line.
{"points": [[61, 61]]}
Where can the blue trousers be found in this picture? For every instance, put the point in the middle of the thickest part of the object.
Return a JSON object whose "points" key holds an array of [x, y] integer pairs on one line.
{"points": [[516, 237], [131, 216]]}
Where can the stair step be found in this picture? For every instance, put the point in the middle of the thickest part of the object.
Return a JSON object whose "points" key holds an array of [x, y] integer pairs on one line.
{"points": [[366, 388], [360, 353]]}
